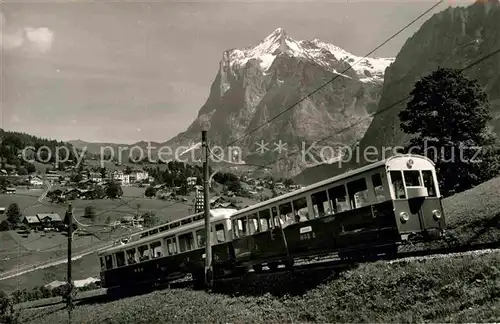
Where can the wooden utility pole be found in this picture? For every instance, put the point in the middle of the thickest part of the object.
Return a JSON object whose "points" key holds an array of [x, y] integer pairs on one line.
{"points": [[69, 300], [206, 203]]}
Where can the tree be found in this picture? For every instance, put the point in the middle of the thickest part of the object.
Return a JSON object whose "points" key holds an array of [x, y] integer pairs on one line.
{"points": [[103, 172], [77, 177], [150, 192], [288, 182], [447, 119], [8, 315], [114, 190], [89, 212], [4, 225], [13, 214], [98, 192], [30, 167], [150, 219]]}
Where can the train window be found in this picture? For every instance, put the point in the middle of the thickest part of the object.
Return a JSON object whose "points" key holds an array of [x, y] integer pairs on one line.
{"points": [[358, 193], [186, 242], [235, 228], [300, 210], [429, 183], [320, 203], [120, 259], [277, 221], [265, 220], [143, 253], [155, 249], [378, 188], [253, 224], [171, 246], [338, 198], [286, 213], [242, 227], [103, 267], [220, 233], [412, 178], [397, 184], [109, 261], [200, 238], [131, 256]]}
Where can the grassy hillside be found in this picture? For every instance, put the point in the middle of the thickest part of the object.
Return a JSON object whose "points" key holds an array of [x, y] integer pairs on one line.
{"points": [[474, 215], [440, 290]]}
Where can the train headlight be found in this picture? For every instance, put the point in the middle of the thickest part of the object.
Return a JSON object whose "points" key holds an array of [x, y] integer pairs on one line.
{"points": [[436, 214], [404, 217]]}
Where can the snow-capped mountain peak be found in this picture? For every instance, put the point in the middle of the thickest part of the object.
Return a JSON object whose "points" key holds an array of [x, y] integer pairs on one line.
{"points": [[278, 42]]}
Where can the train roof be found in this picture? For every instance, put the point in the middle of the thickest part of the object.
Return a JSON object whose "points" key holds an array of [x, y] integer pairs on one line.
{"points": [[216, 215], [343, 176]]}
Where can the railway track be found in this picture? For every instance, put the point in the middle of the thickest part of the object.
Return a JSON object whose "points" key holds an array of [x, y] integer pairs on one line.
{"points": [[321, 263]]}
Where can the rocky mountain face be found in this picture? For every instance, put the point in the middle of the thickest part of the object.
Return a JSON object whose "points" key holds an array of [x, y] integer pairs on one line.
{"points": [[453, 38], [257, 83]]}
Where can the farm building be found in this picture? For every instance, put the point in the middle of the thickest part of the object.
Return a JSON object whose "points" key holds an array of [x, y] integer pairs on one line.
{"points": [[50, 219], [32, 222]]}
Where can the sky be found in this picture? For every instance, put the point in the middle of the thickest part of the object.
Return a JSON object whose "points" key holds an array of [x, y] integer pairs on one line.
{"points": [[122, 71]]}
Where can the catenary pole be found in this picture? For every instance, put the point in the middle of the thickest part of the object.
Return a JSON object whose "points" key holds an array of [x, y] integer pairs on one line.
{"points": [[208, 243]]}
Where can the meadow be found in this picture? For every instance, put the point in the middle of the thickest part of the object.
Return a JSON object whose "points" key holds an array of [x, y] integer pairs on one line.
{"points": [[458, 289], [18, 251]]}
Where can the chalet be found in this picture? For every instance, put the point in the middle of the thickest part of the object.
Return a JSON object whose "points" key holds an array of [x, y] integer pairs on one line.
{"points": [[123, 178], [2, 210], [32, 221], [10, 190], [36, 181], [160, 186], [96, 177], [227, 205], [191, 181], [52, 177], [216, 200], [50, 219]]}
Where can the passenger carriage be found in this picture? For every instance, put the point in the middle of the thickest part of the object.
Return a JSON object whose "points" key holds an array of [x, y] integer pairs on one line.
{"points": [[362, 212], [169, 252]]}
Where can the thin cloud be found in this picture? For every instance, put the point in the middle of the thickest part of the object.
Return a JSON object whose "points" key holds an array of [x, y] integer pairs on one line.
{"points": [[38, 39]]}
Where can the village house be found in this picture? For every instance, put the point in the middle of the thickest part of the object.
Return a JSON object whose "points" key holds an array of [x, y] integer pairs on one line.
{"points": [[36, 181], [52, 177], [141, 175], [32, 222], [96, 177], [138, 176], [191, 181], [10, 190], [49, 220], [124, 179]]}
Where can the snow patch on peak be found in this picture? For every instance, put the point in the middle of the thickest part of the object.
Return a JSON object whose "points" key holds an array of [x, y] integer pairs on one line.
{"points": [[368, 69]]}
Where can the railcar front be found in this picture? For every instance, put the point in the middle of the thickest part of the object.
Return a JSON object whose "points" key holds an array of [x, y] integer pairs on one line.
{"points": [[417, 201]]}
